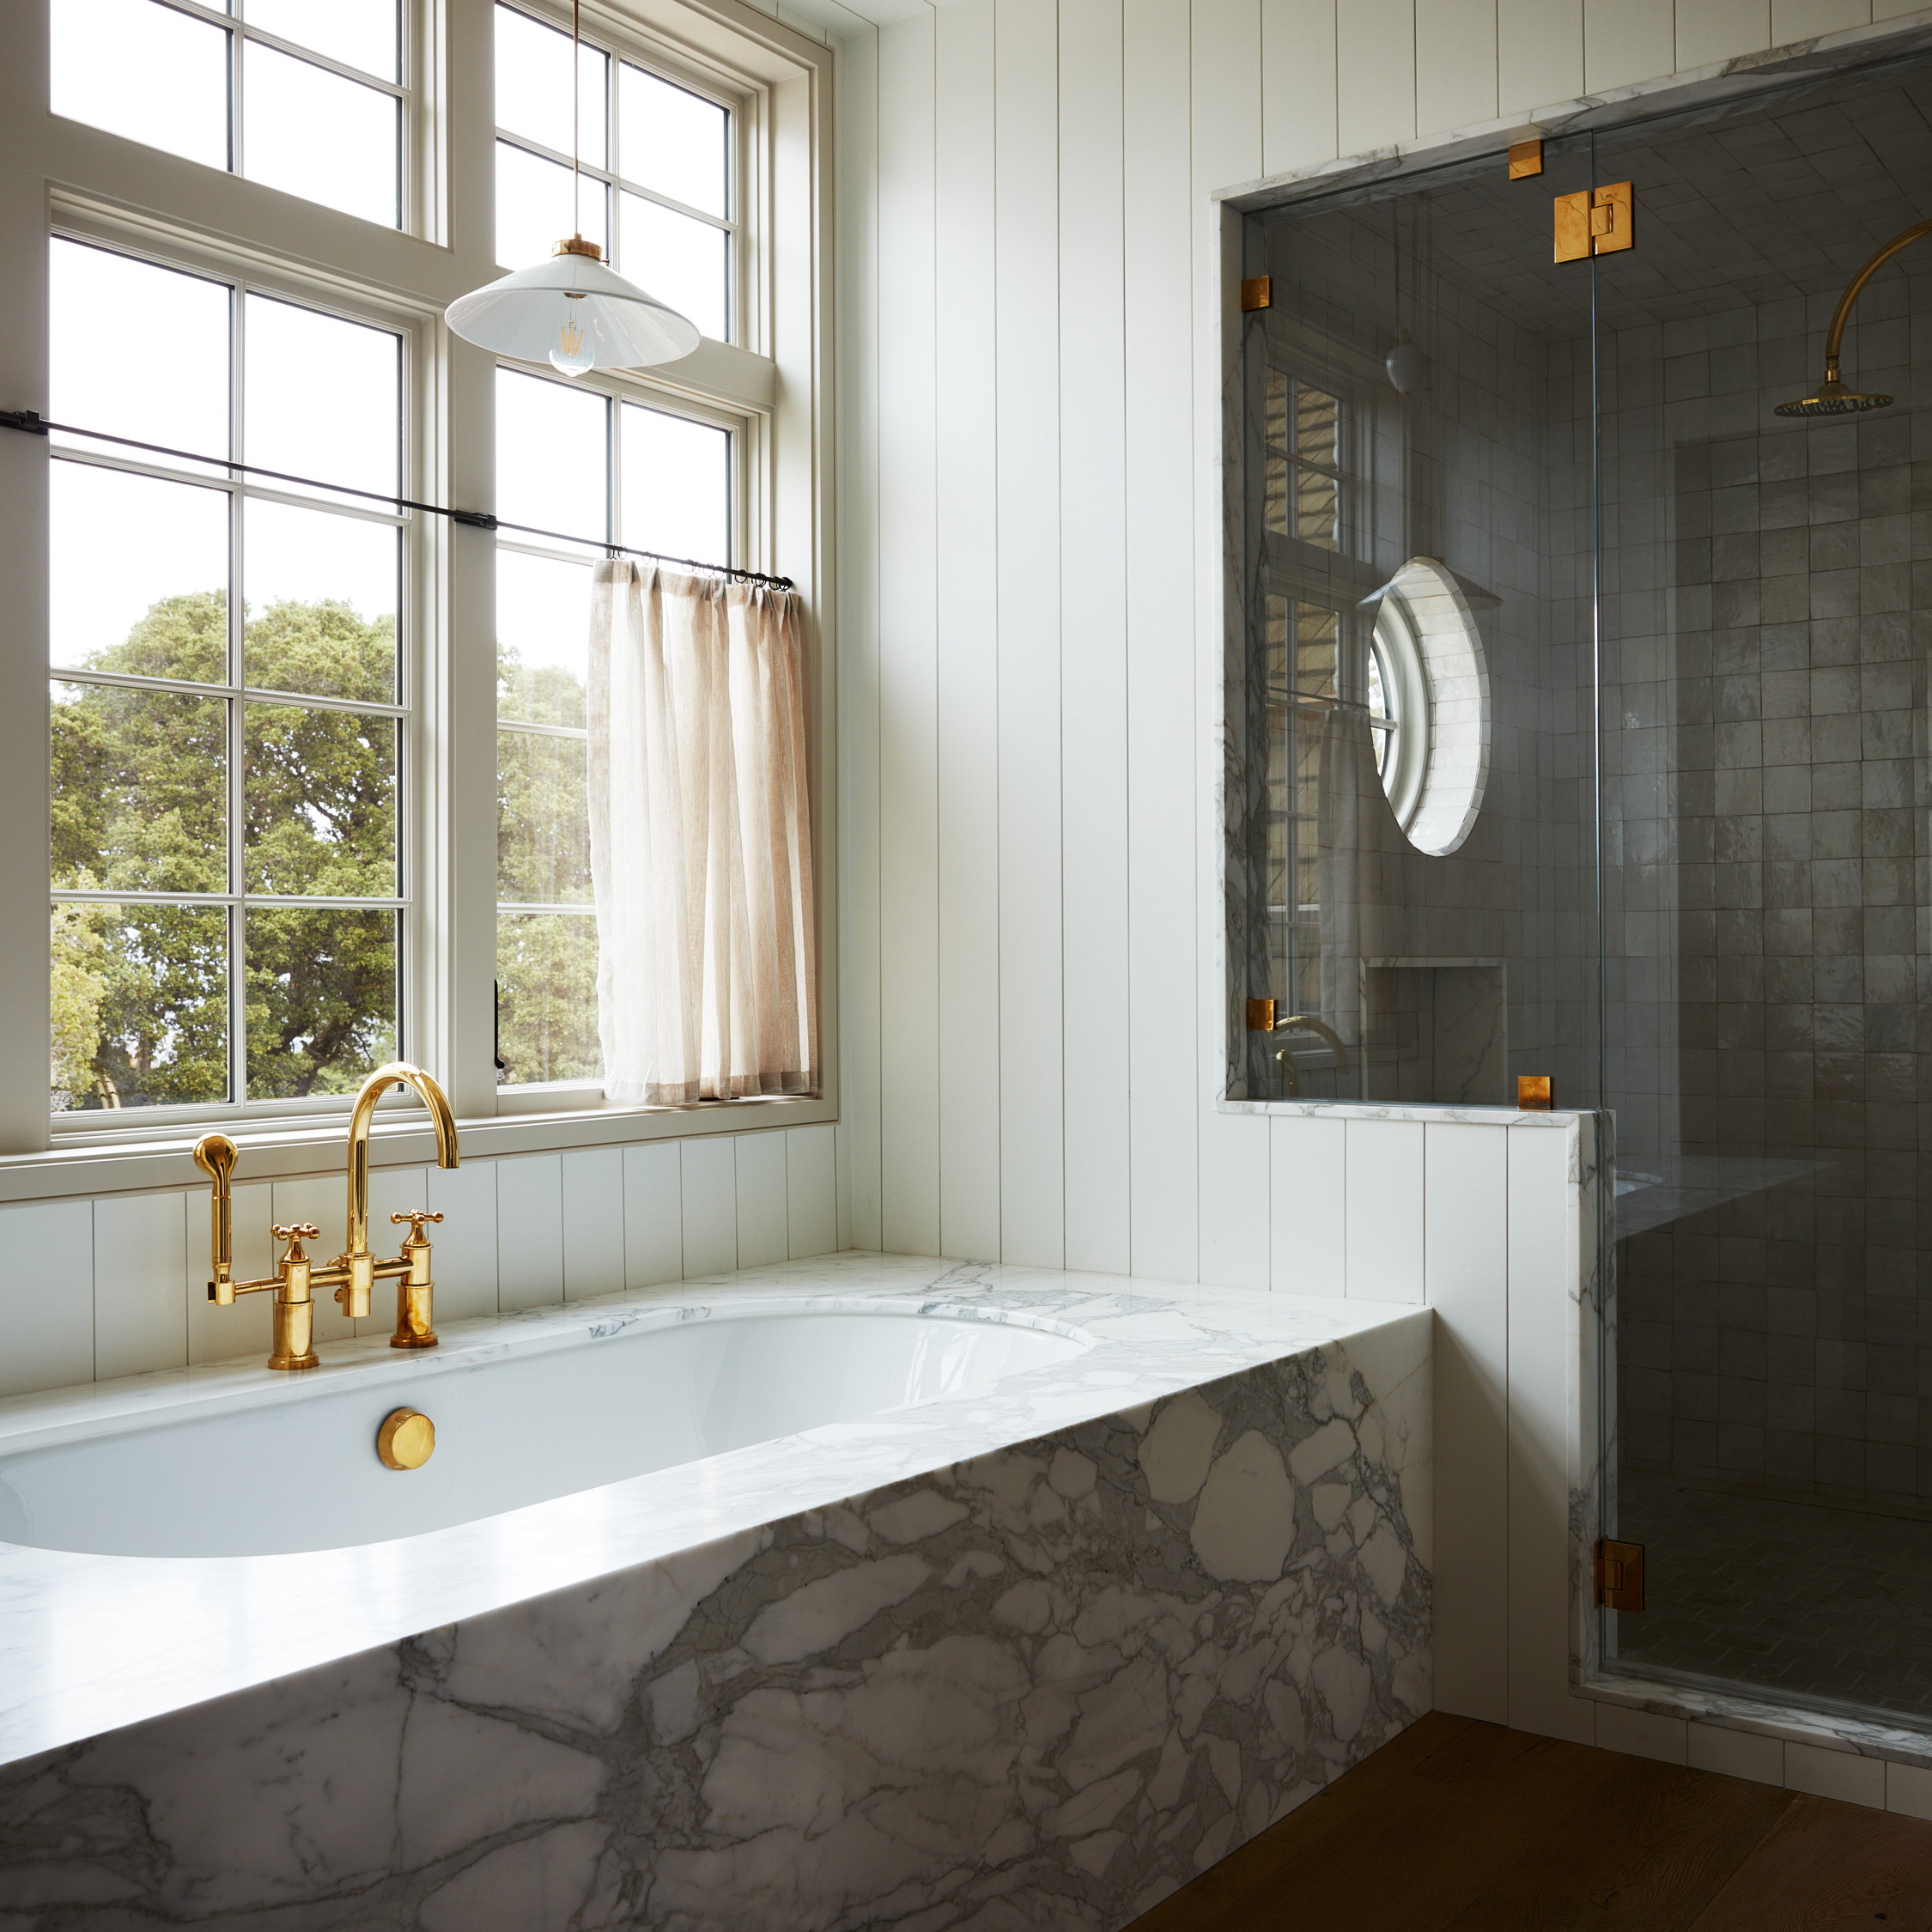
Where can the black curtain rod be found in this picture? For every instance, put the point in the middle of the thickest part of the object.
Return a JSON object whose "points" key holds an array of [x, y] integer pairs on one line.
{"points": [[35, 424]]}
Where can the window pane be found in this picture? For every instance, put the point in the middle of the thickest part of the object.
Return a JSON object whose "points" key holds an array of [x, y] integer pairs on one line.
{"points": [[143, 70], [140, 790], [321, 396], [543, 820], [679, 260], [546, 997], [322, 1003], [533, 86], [1317, 507], [320, 790], [536, 209], [137, 350], [140, 1005], [1317, 426], [676, 486], [320, 595], [358, 32], [162, 610], [543, 639], [314, 134], [551, 463], [672, 141]]}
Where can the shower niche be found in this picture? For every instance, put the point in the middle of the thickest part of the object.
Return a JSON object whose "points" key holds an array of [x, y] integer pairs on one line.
{"points": [[1677, 496]]}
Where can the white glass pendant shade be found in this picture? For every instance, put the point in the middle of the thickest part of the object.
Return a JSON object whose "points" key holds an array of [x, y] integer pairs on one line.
{"points": [[575, 313]]}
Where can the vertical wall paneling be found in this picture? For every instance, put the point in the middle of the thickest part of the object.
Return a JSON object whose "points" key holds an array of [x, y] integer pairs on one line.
{"points": [[1539, 53], [653, 1213], [762, 1199], [1308, 1225], [1467, 1262], [1385, 1208], [908, 713], [46, 1295], [1375, 73], [465, 1238], [529, 1231], [1454, 62], [1800, 20], [855, 122], [1163, 806], [1626, 40], [966, 1022], [245, 1328], [1719, 30], [710, 1206], [1226, 146], [1542, 1248], [811, 1222], [1032, 717], [140, 1256], [1092, 722], [593, 1222], [1297, 84]]}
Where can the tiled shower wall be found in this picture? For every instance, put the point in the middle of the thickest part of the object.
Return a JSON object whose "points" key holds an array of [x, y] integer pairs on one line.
{"points": [[116, 1285], [1771, 675]]}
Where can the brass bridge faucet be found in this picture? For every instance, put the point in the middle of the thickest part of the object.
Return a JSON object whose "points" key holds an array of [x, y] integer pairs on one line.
{"points": [[353, 1273]]}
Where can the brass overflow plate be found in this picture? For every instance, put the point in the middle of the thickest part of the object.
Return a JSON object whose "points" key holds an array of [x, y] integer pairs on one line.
{"points": [[406, 1440]]}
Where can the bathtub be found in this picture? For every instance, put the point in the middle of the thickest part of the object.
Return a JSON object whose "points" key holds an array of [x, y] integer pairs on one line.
{"points": [[269, 1470], [870, 1591]]}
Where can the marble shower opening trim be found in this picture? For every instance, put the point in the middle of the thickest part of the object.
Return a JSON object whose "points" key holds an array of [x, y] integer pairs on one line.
{"points": [[1040, 1686]]}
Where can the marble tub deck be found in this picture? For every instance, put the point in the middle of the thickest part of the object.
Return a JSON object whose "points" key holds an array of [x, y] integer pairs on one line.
{"points": [[1030, 1658]]}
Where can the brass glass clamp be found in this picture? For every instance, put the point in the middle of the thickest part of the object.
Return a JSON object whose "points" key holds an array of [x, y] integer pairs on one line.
{"points": [[353, 1273]]}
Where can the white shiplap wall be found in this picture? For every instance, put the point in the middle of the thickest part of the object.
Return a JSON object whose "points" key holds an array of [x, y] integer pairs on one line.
{"points": [[1031, 297], [1030, 519]]}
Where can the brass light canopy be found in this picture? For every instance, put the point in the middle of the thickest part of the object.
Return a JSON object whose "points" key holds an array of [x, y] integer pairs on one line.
{"points": [[1831, 397]]}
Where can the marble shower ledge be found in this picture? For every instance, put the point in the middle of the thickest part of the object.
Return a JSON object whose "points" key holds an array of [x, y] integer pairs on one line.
{"points": [[1439, 1112], [1896, 1741], [74, 1663]]}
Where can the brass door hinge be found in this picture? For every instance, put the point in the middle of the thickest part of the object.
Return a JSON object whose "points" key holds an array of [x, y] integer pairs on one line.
{"points": [[1526, 158], [1257, 292], [1595, 221], [1261, 1015], [1619, 1576]]}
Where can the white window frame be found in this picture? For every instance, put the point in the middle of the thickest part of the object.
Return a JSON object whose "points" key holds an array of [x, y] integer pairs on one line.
{"points": [[772, 385]]}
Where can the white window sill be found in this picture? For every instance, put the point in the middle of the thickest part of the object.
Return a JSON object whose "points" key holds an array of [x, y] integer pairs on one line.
{"points": [[80, 1163]]}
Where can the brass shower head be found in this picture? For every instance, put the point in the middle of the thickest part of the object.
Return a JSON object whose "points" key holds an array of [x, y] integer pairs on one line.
{"points": [[1831, 397]]}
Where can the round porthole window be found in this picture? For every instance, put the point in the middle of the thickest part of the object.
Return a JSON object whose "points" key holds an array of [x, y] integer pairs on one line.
{"points": [[1429, 705]]}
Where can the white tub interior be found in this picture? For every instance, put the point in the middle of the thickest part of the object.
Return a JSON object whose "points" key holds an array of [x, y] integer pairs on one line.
{"points": [[300, 1472]]}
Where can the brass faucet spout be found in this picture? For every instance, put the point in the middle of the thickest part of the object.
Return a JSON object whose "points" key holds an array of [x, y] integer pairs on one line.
{"points": [[397, 1073]]}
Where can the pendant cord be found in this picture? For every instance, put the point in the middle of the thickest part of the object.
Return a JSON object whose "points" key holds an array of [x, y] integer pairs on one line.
{"points": [[576, 135]]}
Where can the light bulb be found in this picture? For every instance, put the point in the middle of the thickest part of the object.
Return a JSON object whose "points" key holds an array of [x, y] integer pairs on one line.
{"points": [[1407, 366], [573, 352]]}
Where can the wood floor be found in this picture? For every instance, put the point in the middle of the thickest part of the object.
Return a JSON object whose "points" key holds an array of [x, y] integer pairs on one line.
{"points": [[1468, 1825]]}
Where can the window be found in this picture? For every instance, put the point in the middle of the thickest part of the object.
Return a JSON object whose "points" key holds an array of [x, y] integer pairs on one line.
{"points": [[1303, 428], [597, 466], [300, 96], [228, 714], [660, 151], [319, 784]]}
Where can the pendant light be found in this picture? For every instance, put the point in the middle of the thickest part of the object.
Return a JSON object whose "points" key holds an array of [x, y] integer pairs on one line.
{"points": [[572, 309]]}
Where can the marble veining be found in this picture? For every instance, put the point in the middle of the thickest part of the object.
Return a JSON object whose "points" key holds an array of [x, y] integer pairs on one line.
{"points": [[1029, 1659]]}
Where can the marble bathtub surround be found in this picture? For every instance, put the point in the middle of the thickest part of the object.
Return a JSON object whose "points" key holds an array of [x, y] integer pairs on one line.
{"points": [[1031, 1659]]}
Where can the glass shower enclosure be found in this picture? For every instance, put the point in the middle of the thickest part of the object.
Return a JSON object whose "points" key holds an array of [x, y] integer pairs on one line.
{"points": [[1581, 731]]}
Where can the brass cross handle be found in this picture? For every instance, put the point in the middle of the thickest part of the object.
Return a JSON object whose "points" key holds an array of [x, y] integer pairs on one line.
{"points": [[416, 1218], [294, 1235]]}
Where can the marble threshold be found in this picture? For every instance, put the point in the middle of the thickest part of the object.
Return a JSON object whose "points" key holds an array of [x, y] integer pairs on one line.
{"points": [[77, 1659]]}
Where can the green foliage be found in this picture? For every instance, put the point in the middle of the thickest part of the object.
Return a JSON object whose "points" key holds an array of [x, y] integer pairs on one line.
{"points": [[140, 802], [546, 963]]}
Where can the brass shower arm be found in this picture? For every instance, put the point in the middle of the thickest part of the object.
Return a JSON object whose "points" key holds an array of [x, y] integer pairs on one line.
{"points": [[1835, 336]]}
